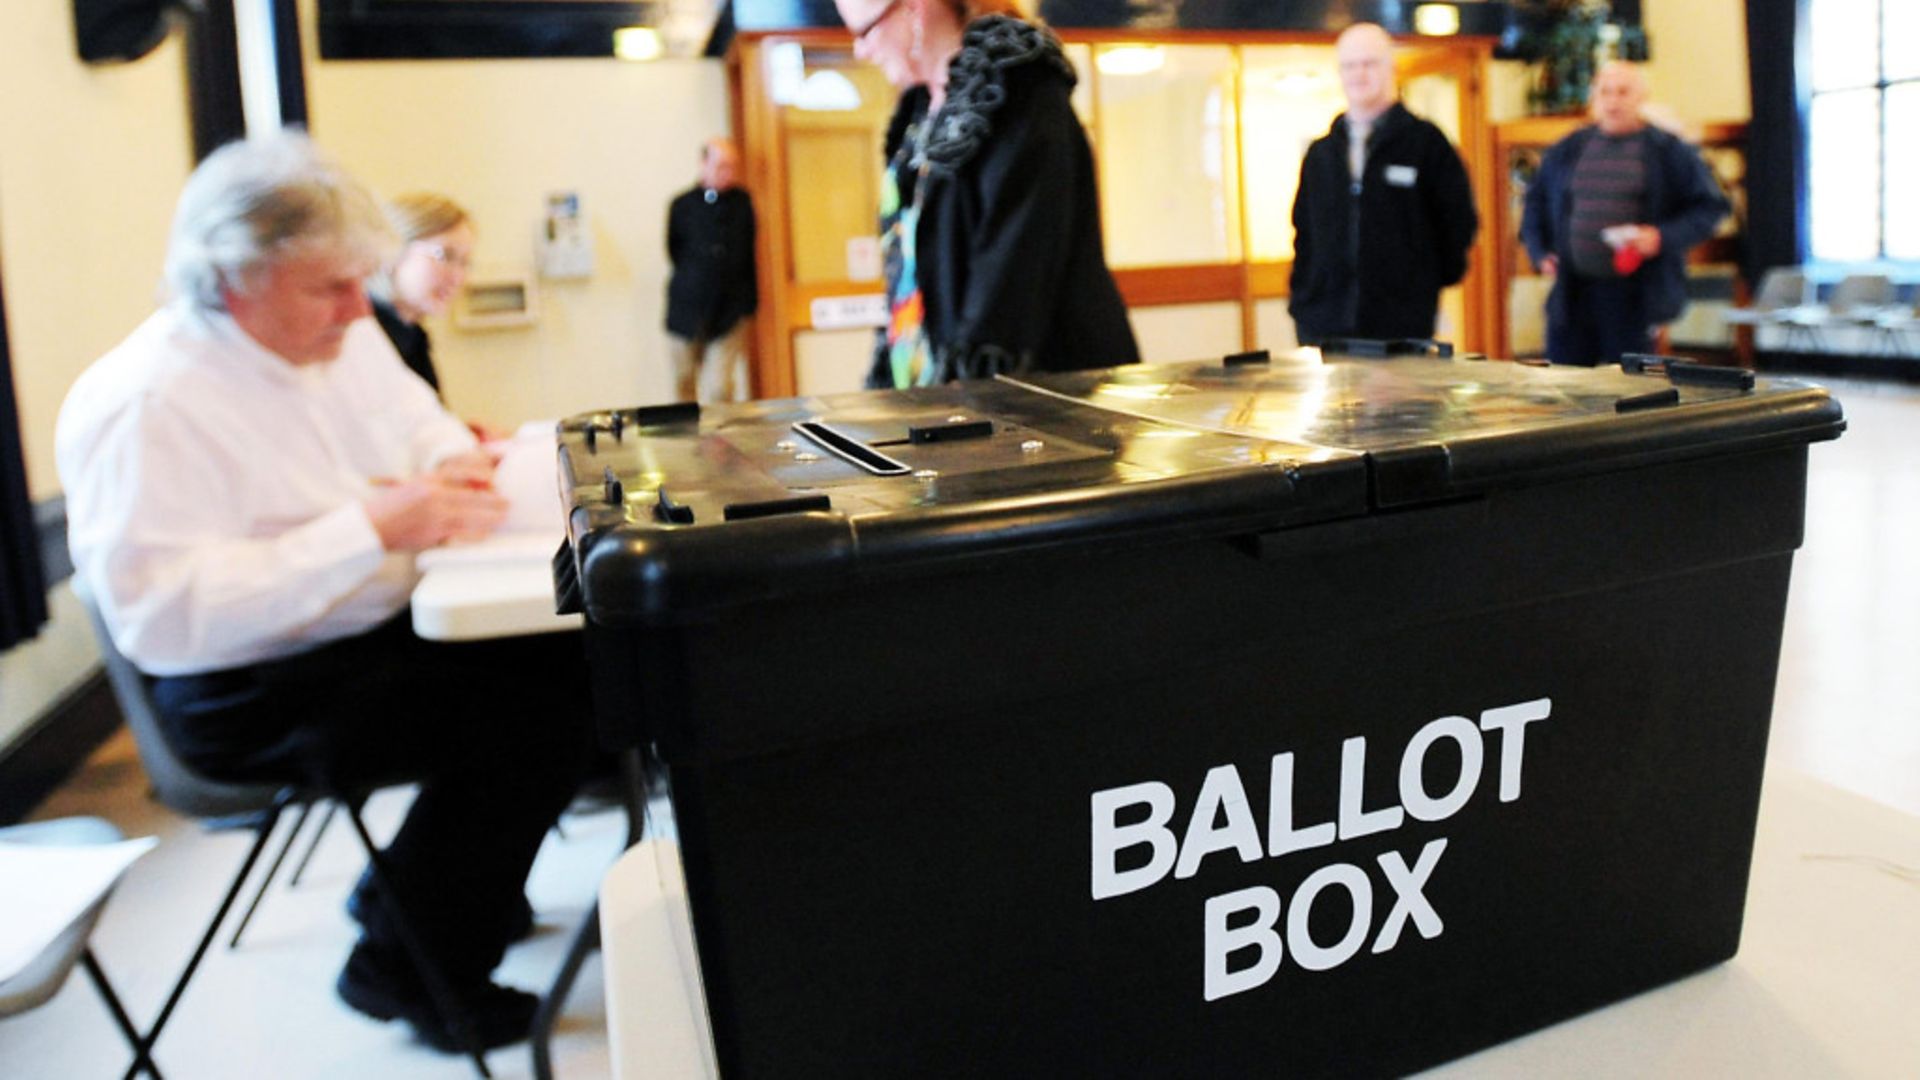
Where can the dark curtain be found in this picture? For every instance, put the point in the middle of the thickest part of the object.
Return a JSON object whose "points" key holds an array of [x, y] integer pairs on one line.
{"points": [[23, 585], [288, 67], [1777, 43], [213, 78]]}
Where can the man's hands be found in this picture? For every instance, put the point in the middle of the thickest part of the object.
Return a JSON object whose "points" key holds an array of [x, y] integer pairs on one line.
{"points": [[455, 501], [1642, 240]]}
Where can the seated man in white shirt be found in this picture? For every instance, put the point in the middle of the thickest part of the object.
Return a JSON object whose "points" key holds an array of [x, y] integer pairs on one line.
{"points": [[248, 477]]}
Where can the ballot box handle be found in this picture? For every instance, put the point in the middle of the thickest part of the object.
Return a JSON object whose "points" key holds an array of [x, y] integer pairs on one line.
{"points": [[1350, 533]]}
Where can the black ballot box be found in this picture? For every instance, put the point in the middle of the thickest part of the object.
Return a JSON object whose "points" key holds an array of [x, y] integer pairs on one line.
{"points": [[1268, 717]]}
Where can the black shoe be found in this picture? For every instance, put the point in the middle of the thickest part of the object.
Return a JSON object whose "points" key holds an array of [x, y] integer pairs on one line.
{"points": [[385, 987], [363, 894]]}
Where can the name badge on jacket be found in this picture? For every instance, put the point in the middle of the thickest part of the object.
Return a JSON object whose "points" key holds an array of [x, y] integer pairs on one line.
{"points": [[1402, 175]]}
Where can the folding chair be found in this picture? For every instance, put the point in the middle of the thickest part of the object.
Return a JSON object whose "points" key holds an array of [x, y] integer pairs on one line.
{"points": [[44, 975], [1784, 299], [258, 806]]}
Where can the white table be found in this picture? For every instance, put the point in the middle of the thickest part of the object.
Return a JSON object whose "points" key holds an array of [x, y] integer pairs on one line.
{"points": [[499, 587], [1826, 984]]}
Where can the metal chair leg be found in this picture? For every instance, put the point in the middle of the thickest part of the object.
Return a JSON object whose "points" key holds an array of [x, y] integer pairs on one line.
{"points": [[587, 938], [585, 941], [428, 968], [142, 1061], [269, 818], [313, 844], [273, 868]]}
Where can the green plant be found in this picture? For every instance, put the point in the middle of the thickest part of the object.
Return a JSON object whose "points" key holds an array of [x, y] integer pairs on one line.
{"points": [[1567, 40]]}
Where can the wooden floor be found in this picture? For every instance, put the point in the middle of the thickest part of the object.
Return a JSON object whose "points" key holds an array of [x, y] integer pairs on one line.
{"points": [[1847, 712]]}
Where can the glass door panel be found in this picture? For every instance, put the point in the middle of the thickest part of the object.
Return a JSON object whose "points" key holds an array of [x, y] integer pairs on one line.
{"points": [[1290, 95], [1165, 142], [833, 119]]}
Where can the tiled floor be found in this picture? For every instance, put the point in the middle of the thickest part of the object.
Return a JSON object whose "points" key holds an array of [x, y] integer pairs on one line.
{"points": [[267, 1009], [1848, 712], [1847, 709]]}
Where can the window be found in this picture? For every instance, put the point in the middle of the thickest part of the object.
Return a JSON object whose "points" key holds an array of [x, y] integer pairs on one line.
{"points": [[1865, 90]]}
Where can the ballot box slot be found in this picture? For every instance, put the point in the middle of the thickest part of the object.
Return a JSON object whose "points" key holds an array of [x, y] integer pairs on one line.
{"points": [[849, 449]]}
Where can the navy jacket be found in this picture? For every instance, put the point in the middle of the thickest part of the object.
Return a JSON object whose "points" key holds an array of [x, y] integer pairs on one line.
{"points": [[1012, 269], [1371, 263], [1683, 201]]}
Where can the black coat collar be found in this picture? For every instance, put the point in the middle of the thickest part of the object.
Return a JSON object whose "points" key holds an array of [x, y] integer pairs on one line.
{"points": [[992, 48]]}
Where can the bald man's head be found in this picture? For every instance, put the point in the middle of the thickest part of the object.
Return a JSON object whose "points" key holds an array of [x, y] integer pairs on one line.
{"points": [[1619, 90], [1365, 53], [719, 164]]}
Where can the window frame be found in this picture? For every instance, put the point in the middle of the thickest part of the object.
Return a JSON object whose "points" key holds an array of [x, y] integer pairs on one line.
{"points": [[1879, 87]]}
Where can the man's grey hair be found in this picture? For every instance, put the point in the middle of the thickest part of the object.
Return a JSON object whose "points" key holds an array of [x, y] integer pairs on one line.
{"points": [[253, 202]]}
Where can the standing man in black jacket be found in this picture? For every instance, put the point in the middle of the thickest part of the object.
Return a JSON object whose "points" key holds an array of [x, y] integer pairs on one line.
{"points": [[1384, 216], [710, 236]]}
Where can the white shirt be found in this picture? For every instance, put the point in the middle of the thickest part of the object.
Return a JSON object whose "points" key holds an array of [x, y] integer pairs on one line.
{"points": [[214, 489], [1357, 134]]}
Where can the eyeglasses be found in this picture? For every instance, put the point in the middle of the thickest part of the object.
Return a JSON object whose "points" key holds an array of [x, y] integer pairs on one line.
{"points": [[860, 32], [446, 256]]}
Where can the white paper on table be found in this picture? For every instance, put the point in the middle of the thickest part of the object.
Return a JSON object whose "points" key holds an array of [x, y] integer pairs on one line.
{"points": [[509, 548], [44, 888], [529, 477]]}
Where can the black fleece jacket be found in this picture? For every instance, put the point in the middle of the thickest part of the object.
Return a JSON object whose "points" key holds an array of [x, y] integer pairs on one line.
{"points": [[1371, 263]]}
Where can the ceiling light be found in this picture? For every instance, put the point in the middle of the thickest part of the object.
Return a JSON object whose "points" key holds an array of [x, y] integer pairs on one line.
{"points": [[1436, 20], [1130, 59], [636, 43]]}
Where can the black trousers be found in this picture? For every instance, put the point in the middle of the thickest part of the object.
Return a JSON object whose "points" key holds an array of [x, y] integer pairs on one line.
{"points": [[1605, 317], [497, 733]]}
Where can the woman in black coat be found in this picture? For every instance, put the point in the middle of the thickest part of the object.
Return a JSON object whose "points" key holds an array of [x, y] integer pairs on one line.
{"points": [[990, 221]]}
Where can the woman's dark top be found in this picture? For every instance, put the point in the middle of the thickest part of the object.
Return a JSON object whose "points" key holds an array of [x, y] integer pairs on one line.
{"points": [[1009, 260], [409, 339]]}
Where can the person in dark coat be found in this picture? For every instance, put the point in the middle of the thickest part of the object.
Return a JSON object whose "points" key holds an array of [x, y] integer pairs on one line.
{"points": [[990, 221], [436, 249], [1384, 216], [1610, 217], [710, 237]]}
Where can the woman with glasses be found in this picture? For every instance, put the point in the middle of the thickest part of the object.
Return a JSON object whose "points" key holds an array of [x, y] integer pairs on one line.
{"points": [[989, 218], [436, 246]]}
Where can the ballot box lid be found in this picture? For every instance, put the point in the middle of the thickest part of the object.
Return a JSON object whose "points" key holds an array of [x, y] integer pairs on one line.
{"points": [[679, 513], [1437, 427]]}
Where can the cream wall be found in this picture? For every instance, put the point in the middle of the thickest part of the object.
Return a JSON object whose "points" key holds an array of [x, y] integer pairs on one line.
{"points": [[498, 136], [1699, 65], [91, 159]]}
